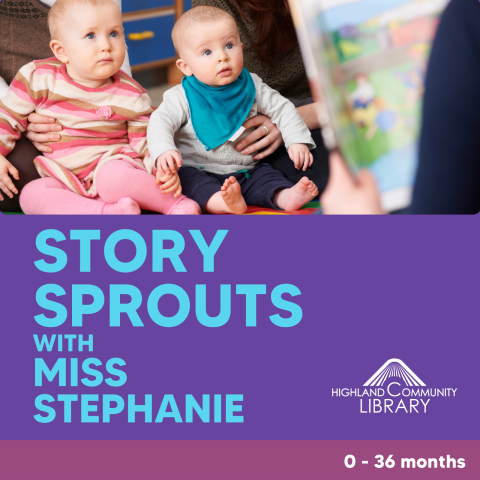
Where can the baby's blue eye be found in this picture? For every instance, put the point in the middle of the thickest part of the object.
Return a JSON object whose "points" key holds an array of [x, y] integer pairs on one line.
{"points": [[207, 52], [114, 34], [229, 46], [90, 36]]}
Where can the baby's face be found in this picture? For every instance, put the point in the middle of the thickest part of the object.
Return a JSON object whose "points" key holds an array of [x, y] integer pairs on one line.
{"points": [[213, 52], [93, 41]]}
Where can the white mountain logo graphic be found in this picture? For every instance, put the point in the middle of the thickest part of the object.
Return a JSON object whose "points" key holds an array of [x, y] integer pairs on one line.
{"points": [[394, 368]]}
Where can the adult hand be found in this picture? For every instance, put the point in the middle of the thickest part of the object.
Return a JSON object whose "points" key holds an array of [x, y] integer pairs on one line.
{"points": [[40, 131], [346, 195], [258, 140], [6, 184]]}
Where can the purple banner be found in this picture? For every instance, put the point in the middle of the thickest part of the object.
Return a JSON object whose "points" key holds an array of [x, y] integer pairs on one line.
{"points": [[390, 301]]}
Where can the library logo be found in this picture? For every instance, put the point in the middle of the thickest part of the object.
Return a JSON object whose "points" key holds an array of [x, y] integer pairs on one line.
{"points": [[394, 388], [394, 368]]}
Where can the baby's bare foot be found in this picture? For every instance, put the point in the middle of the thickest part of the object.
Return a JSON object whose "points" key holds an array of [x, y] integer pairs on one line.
{"points": [[125, 206], [292, 199], [232, 196]]}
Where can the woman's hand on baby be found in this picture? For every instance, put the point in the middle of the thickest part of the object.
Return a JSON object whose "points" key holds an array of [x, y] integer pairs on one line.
{"points": [[300, 155], [258, 139], [6, 184], [40, 130], [169, 161], [169, 182]]}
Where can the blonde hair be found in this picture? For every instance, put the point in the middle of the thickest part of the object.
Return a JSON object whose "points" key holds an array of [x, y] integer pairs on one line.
{"points": [[59, 11], [200, 14]]}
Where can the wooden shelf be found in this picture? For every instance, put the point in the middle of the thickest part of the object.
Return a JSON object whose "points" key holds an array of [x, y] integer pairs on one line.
{"points": [[152, 13], [156, 64]]}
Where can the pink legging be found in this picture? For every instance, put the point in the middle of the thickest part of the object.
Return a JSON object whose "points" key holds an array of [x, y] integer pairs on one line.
{"points": [[122, 190]]}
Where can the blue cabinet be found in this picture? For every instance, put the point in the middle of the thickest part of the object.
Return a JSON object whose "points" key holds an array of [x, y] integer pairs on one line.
{"points": [[148, 28], [156, 44]]}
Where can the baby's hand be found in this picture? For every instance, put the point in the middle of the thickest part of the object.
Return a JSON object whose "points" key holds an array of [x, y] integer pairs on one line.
{"points": [[300, 155], [6, 184], [169, 182], [169, 161]]}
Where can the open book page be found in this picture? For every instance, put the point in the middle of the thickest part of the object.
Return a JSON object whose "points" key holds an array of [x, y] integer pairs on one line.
{"points": [[369, 60]]}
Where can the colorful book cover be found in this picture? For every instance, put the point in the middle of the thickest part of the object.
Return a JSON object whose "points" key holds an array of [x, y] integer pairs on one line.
{"points": [[369, 59]]}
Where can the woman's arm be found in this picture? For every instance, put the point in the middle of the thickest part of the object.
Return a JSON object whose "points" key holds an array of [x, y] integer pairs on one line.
{"points": [[309, 113], [448, 178], [3, 88]]}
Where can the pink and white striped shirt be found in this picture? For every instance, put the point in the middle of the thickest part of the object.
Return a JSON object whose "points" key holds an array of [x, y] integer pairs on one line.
{"points": [[99, 124]]}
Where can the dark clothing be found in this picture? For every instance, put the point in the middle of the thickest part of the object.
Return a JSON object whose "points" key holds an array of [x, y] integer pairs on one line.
{"points": [[448, 179], [318, 173], [25, 38], [21, 158], [258, 185], [24, 35]]}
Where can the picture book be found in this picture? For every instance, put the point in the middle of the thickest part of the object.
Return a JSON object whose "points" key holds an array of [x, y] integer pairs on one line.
{"points": [[367, 61]]}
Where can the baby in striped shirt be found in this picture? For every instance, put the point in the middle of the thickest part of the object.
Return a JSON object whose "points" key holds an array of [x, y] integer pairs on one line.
{"points": [[101, 165]]}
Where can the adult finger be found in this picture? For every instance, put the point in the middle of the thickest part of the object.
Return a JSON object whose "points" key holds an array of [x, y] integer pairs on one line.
{"points": [[36, 118], [4, 189], [43, 137], [365, 178], [43, 127], [1, 197], [254, 122], [268, 151], [42, 147], [13, 172], [7, 181], [246, 144], [262, 143]]}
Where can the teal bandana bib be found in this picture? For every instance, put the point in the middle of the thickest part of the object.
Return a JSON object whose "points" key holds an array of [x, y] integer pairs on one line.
{"points": [[217, 113]]}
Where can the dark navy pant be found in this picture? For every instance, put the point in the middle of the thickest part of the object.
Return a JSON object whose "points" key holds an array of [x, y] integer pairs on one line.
{"points": [[258, 185]]}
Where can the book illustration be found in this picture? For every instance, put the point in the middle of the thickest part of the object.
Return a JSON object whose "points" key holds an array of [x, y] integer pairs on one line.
{"points": [[369, 60]]}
